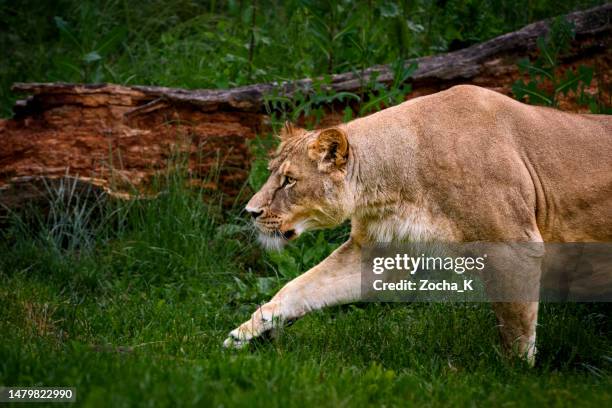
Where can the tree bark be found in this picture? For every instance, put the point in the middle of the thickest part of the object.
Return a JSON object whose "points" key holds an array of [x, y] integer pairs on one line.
{"points": [[119, 138]]}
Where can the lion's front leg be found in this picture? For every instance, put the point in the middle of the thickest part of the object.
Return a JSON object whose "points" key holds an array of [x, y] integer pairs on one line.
{"points": [[334, 281], [264, 319]]}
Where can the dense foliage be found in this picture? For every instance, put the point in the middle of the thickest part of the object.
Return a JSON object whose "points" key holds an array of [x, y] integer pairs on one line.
{"points": [[213, 44]]}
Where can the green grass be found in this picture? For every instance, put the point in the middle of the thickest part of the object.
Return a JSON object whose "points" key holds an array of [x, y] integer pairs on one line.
{"points": [[137, 317]]}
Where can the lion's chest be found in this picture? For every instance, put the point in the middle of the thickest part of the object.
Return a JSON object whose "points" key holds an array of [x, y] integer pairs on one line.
{"points": [[412, 224]]}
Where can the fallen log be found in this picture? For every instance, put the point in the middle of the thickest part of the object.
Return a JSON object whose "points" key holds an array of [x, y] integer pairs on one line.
{"points": [[118, 138]]}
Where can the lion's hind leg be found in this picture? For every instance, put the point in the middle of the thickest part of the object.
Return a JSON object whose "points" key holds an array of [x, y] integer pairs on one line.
{"points": [[513, 287], [517, 326]]}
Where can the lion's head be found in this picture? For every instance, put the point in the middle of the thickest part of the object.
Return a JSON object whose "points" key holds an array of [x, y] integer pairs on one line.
{"points": [[307, 187]]}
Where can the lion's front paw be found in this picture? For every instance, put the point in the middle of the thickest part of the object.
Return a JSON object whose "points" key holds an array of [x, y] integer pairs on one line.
{"points": [[233, 340], [264, 319]]}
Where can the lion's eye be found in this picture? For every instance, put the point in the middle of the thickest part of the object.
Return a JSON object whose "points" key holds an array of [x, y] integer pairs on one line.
{"points": [[287, 181]]}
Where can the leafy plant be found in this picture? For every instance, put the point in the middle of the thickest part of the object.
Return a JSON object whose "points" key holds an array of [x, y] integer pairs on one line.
{"points": [[381, 95], [260, 148], [547, 81], [88, 63], [310, 103], [307, 103], [184, 43]]}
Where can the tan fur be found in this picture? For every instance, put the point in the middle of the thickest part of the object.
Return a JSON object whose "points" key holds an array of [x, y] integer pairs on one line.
{"points": [[466, 164]]}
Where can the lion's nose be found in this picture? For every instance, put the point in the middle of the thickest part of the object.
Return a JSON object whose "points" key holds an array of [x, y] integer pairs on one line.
{"points": [[254, 213]]}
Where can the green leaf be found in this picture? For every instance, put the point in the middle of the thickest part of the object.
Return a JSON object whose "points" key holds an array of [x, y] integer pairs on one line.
{"points": [[419, 28], [112, 40], [586, 74], [389, 9], [285, 264], [343, 96], [534, 71], [259, 174], [347, 115], [373, 103], [266, 285], [62, 26], [92, 57], [520, 90], [545, 51], [568, 83]]}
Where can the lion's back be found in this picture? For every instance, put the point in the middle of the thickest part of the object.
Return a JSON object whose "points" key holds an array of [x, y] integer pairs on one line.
{"points": [[482, 154], [478, 143]]}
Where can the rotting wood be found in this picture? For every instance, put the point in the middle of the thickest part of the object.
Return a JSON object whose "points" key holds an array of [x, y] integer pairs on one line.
{"points": [[123, 136]]}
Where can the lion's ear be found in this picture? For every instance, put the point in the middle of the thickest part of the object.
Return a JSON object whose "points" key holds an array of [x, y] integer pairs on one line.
{"points": [[288, 131], [330, 149]]}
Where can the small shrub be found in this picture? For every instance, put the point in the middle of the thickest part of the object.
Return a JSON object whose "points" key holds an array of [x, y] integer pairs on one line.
{"points": [[547, 81]]}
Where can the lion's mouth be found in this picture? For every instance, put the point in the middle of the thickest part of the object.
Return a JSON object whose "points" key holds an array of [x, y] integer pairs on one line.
{"points": [[289, 234], [277, 239], [278, 233]]}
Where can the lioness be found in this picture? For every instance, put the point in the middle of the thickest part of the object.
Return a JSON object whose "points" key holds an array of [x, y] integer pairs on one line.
{"points": [[466, 164]]}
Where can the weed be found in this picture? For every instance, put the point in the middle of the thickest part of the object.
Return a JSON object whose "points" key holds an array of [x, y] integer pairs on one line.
{"points": [[546, 79]]}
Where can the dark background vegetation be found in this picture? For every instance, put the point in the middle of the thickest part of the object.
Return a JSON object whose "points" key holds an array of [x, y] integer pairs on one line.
{"points": [[129, 302], [220, 44]]}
